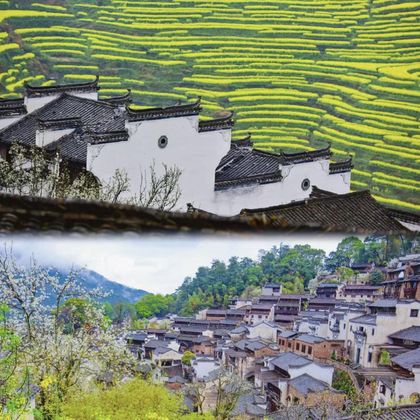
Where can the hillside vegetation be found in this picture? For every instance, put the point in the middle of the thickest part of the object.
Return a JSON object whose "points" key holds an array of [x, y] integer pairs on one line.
{"points": [[298, 73]]}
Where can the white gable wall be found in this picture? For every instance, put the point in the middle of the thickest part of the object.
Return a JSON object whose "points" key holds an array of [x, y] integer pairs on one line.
{"points": [[231, 201], [5, 122], [45, 137], [195, 154], [321, 372], [264, 331], [32, 104]]}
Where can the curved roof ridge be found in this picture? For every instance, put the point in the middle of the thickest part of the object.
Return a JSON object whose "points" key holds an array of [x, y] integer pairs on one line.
{"points": [[164, 112], [36, 91]]}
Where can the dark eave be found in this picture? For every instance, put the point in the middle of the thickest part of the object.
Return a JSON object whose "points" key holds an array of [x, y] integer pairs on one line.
{"points": [[257, 179], [120, 100], [352, 212], [59, 123], [108, 137], [25, 213], [161, 113], [245, 142], [342, 166], [39, 91], [12, 107], [224, 123], [309, 156]]}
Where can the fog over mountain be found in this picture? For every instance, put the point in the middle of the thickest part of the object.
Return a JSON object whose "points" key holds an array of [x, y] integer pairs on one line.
{"points": [[116, 292]]}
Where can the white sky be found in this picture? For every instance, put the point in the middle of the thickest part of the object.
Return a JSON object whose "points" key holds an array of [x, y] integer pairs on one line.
{"points": [[156, 263]]}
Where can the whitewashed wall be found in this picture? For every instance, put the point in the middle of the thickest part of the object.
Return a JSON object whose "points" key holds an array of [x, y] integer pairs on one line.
{"points": [[231, 201], [32, 104], [45, 137], [195, 154], [5, 122], [321, 372]]}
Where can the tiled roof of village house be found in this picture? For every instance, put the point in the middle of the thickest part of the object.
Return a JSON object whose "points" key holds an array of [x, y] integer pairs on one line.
{"points": [[399, 412], [356, 211], [25, 213], [72, 147], [223, 123], [120, 100], [12, 107], [93, 116], [308, 156], [38, 91], [288, 360], [161, 113], [305, 384], [311, 339], [410, 334], [341, 166], [365, 319], [242, 166], [384, 303], [364, 287], [408, 359]]}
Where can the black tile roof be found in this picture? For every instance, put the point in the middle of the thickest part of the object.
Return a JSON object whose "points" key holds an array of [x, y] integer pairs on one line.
{"points": [[411, 334], [408, 359], [223, 123], [120, 100], [399, 412], [341, 166], [38, 91], [72, 147], [160, 113], [64, 112], [25, 213], [242, 166], [352, 212], [245, 142], [306, 384], [12, 107], [308, 156]]}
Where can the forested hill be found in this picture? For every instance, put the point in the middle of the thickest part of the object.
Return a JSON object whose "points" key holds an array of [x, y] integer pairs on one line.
{"points": [[298, 73], [294, 267]]}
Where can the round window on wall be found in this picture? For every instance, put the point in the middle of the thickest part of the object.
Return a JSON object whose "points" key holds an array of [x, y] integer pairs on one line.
{"points": [[306, 184], [163, 141]]}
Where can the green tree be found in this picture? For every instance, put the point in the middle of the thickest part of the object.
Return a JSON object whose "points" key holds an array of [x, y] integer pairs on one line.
{"points": [[14, 380], [135, 399], [376, 277], [187, 357], [349, 251], [153, 305]]}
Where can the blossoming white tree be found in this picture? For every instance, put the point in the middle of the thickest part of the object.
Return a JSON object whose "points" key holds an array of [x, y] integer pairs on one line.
{"points": [[65, 341], [30, 171]]}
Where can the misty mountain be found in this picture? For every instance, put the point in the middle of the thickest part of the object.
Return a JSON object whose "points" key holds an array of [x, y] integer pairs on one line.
{"points": [[90, 279]]}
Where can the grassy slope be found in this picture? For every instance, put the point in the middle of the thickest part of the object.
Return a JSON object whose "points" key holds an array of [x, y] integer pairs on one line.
{"points": [[298, 73]]}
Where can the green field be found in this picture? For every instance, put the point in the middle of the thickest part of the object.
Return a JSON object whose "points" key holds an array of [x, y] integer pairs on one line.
{"points": [[298, 73]]}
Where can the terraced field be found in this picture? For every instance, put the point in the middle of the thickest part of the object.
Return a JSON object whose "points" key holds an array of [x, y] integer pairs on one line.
{"points": [[298, 73]]}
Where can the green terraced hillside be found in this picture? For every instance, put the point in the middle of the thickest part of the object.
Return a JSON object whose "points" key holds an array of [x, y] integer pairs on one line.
{"points": [[298, 73]]}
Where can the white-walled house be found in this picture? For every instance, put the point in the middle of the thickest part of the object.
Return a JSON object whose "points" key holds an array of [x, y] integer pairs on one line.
{"points": [[369, 332], [279, 373], [404, 387], [265, 330], [218, 175]]}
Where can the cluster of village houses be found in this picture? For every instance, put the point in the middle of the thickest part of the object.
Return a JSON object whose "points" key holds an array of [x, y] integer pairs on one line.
{"points": [[288, 346]]}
